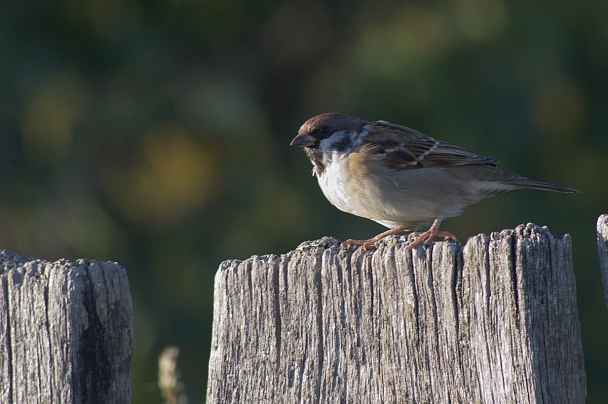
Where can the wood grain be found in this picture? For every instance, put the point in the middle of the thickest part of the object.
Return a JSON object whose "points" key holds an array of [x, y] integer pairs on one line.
{"points": [[602, 247], [494, 321], [66, 331]]}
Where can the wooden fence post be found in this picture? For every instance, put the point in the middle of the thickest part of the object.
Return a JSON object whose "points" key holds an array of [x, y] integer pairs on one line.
{"points": [[66, 333], [494, 321], [602, 247]]}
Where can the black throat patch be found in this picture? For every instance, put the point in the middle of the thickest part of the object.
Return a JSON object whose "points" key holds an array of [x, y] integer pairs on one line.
{"points": [[316, 157]]}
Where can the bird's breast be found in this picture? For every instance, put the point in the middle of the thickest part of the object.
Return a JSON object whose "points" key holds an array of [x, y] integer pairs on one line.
{"points": [[334, 183], [391, 198]]}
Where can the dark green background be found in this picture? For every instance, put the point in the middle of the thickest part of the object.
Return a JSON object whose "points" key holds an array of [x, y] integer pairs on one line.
{"points": [[156, 134]]}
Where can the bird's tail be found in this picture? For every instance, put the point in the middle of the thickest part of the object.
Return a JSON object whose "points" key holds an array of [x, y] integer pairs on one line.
{"points": [[543, 186]]}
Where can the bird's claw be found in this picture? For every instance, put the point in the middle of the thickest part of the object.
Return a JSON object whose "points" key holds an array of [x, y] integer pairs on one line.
{"points": [[367, 244], [427, 238]]}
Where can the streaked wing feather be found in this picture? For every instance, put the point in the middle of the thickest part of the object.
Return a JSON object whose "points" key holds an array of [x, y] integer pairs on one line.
{"points": [[406, 148]]}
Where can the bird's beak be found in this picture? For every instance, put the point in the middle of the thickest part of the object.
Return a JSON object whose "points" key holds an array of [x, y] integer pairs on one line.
{"points": [[303, 140]]}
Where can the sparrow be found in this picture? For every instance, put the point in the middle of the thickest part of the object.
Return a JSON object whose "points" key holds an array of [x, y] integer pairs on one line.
{"points": [[399, 177]]}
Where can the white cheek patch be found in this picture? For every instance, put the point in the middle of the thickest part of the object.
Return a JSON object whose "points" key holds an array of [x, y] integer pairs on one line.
{"points": [[329, 142], [342, 141]]}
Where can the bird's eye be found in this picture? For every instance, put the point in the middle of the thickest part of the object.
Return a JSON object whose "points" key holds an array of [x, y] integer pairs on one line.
{"points": [[324, 130]]}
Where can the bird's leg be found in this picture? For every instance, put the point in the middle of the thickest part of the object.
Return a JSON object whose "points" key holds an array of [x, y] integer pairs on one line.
{"points": [[369, 243], [428, 235]]}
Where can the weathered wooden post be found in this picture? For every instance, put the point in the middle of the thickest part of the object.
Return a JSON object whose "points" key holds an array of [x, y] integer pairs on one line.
{"points": [[494, 321], [602, 247], [66, 331]]}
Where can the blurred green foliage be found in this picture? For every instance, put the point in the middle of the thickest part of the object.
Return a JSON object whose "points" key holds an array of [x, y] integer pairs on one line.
{"points": [[156, 134]]}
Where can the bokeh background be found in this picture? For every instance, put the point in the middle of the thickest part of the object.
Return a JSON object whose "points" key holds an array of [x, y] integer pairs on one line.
{"points": [[155, 134]]}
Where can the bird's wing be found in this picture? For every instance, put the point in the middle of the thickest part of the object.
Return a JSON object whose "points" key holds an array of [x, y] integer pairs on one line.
{"points": [[404, 148]]}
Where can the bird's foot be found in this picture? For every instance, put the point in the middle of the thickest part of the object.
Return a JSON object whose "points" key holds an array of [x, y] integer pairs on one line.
{"points": [[367, 244], [370, 243], [428, 235]]}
